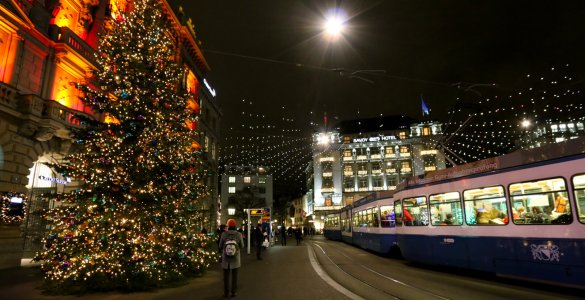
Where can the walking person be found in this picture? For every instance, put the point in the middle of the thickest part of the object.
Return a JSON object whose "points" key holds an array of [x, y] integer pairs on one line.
{"points": [[282, 236], [231, 244], [259, 237], [298, 235]]}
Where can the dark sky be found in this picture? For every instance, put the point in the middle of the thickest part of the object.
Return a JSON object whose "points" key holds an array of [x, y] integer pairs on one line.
{"points": [[272, 54], [253, 48]]}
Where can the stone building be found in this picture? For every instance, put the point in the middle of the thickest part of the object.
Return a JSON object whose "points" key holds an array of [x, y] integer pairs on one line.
{"points": [[45, 46]]}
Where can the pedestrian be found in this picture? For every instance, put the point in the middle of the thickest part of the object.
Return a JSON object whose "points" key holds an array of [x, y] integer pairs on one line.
{"points": [[298, 235], [282, 236], [219, 231], [258, 237], [231, 244]]}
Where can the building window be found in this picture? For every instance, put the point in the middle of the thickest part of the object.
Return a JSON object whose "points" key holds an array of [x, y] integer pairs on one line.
{"points": [[348, 185], [361, 154], [390, 167], [405, 167], [347, 153], [389, 151], [378, 183], [426, 131], [363, 184], [402, 135], [232, 179], [262, 180], [232, 189], [391, 182], [247, 179], [346, 140], [231, 211], [348, 170]]}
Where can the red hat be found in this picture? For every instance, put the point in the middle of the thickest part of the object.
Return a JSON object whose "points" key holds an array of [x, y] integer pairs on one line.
{"points": [[231, 223]]}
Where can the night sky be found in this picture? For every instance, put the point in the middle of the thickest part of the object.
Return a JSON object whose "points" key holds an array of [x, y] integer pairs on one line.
{"points": [[273, 55]]}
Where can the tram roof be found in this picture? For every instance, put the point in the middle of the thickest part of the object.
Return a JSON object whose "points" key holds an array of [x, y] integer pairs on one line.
{"points": [[515, 159]]}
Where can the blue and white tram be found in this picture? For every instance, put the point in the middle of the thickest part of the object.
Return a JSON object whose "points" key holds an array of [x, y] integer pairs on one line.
{"points": [[345, 224], [331, 229], [525, 221], [373, 223]]}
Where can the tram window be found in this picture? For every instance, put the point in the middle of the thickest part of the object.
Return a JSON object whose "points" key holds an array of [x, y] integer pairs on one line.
{"points": [[415, 211], [355, 219], [446, 209], [398, 212], [387, 217], [579, 192], [540, 202], [485, 206]]}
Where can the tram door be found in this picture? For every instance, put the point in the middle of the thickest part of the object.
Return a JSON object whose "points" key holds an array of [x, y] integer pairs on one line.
{"points": [[36, 227]]}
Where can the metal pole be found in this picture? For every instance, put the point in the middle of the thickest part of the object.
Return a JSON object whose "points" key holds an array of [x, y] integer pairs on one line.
{"points": [[249, 233]]}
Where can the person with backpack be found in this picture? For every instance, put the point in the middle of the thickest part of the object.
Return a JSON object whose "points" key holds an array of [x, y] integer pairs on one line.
{"points": [[231, 243]]}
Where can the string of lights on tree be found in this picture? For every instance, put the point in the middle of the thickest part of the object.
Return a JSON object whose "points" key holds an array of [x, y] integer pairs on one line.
{"points": [[500, 121], [132, 224], [12, 208]]}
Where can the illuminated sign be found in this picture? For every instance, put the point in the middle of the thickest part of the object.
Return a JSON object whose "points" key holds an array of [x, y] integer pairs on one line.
{"points": [[212, 91], [256, 212], [56, 180], [380, 138]]}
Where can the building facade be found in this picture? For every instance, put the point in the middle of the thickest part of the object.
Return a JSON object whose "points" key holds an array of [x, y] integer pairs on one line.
{"points": [[246, 187], [364, 156], [45, 47]]}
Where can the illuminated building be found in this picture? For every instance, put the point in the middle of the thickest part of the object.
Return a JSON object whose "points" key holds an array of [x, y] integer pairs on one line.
{"points": [[245, 187], [45, 48], [369, 155]]}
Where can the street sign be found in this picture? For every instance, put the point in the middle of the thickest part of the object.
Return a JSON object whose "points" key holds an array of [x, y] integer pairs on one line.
{"points": [[256, 212]]}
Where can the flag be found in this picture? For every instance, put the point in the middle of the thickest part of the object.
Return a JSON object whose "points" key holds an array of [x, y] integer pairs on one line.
{"points": [[425, 108]]}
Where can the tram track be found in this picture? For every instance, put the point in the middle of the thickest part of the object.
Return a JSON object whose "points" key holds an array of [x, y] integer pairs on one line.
{"points": [[383, 286]]}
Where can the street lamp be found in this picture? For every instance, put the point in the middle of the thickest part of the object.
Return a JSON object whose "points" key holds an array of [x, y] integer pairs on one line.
{"points": [[334, 25]]}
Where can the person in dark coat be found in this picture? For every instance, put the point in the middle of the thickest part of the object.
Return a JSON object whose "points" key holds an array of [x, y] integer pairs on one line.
{"points": [[230, 264], [282, 236], [259, 238], [298, 235]]}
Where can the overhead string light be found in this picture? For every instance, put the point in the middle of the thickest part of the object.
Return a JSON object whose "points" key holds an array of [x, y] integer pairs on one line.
{"points": [[537, 114]]}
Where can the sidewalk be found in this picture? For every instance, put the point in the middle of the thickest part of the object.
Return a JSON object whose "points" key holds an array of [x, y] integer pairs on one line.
{"points": [[283, 273]]}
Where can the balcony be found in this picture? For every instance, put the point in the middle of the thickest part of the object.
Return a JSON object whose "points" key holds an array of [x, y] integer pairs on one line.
{"points": [[347, 158], [348, 173], [376, 157], [67, 37], [362, 157], [39, 118], [327, 174]]}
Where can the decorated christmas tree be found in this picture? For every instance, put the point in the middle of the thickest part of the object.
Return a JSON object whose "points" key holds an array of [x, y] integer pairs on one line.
{"points": [[131, 226]]}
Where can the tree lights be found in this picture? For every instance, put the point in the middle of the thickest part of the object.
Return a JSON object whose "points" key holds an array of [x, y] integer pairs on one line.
{"points": [[131, 226]]}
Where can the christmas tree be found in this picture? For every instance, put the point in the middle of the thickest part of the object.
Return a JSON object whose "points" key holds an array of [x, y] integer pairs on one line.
{"points": [[131, 225]]}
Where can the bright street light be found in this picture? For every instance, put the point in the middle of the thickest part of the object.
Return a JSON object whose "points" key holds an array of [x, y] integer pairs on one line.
{"points": [[334, 25]]}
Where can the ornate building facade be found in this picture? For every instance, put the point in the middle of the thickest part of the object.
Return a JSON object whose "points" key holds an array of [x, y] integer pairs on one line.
{"points": [[363, 156], [46, 46]]}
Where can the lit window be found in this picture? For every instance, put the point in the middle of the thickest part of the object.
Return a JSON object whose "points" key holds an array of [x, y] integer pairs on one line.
{"points": [[232, 190], [261, 179], [247, 179], [426, 131], [232, 179], [231, 211], [402, 135]]}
